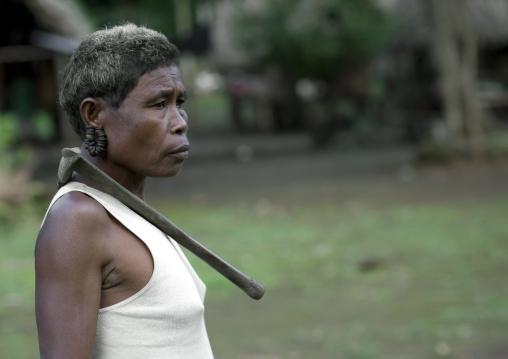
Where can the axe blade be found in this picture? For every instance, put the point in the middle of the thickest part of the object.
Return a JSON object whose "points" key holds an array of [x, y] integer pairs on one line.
{"points": [[70, 157]]}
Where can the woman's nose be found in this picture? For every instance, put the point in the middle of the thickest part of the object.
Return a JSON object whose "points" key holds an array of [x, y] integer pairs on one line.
{"points": [[179, 123]]}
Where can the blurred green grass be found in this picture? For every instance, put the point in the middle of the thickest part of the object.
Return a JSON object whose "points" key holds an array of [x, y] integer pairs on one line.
{"points": [[351, 281]]}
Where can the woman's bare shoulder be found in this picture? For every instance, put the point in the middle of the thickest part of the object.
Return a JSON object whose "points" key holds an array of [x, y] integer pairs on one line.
{"points": [[70, 255], [76, 225]]}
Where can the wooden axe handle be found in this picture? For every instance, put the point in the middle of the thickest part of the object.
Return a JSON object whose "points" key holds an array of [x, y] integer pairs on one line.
{"points": [[72, 161]]}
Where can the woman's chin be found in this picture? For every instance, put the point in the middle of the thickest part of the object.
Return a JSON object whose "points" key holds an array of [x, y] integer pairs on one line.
{"points": [[168, 171]]}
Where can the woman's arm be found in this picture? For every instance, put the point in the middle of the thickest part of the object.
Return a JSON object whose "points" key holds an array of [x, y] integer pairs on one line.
{"points": [[70, 254]]}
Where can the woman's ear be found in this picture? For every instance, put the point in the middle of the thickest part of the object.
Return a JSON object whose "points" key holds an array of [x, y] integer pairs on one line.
{"points": [[92, 111]]}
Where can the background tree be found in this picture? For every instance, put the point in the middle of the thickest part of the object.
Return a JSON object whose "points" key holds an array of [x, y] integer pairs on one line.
{"points": [[311, 38], [455, 48], [170, 17], [332, 41]]}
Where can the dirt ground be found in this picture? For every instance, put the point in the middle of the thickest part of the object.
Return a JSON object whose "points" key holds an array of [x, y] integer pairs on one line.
{"points": [[287, 168]]}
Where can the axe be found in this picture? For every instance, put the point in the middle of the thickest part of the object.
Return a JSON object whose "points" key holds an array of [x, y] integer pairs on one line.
{"points": [[73, 161]]}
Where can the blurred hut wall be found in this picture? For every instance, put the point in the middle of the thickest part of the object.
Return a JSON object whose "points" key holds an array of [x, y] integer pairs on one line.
{"points": [[33, 51], [447, 64]]}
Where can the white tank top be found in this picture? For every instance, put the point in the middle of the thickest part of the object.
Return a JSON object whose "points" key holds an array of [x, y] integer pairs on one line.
{"points": [[163, 320]]}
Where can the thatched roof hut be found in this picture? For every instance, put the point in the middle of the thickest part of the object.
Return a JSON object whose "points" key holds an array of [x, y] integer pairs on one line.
{"points": [[33, 50], [414, 59], [54, 25], [60, 17], [408, 54], [487, 18]]}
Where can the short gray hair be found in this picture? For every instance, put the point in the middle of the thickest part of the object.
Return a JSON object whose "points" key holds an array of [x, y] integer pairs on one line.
{"points": [[108, 63]]}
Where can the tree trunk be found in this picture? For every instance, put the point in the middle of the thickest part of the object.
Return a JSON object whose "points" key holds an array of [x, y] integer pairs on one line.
{"points": [[447, 58], [456, 52], [472, 112]]}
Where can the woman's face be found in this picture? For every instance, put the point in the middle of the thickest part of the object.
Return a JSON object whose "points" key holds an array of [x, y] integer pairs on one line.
{"points": [[147, 134]]}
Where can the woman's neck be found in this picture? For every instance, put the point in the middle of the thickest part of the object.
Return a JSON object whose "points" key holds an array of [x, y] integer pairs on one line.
{"points": [[133, 182]]}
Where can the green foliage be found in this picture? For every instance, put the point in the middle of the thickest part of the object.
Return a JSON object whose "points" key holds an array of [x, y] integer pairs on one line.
{"points": [[142, 12], [311, 37], [8, 129], [43, 125], [12, 156], [160, 15], [19, 195], [18, 336]]}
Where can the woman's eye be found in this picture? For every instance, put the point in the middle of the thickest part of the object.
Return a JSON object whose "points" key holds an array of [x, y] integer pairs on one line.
{"points": [[180, 102], [160, 105]]}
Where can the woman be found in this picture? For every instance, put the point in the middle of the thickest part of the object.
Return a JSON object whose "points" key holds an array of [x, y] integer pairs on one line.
{"points": [[108, 283]]}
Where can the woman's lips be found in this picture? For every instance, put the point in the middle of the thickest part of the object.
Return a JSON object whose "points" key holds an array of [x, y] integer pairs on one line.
{"points": [[181, 152]]}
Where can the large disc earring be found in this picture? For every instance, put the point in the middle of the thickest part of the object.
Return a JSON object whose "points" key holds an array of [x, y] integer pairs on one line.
{"points": [[95, 140]]}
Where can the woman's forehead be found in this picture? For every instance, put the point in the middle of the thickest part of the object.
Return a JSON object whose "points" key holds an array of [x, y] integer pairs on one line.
{"points": [[162, 78]]}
